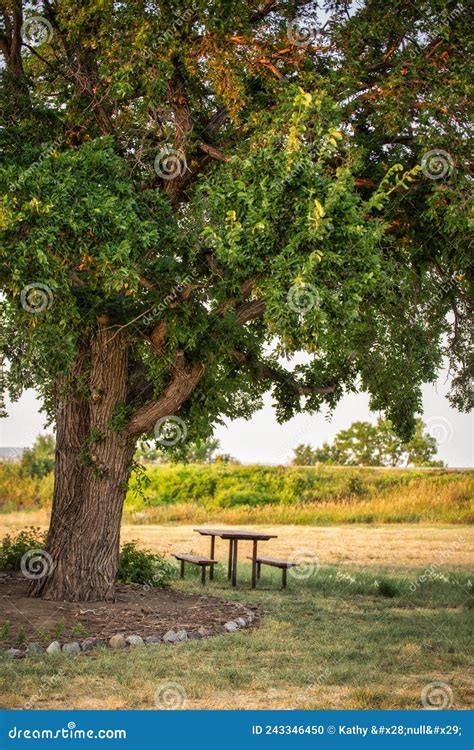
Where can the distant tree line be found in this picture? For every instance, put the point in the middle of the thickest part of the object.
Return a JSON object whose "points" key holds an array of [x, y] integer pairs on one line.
{"points": [[361, 444], [366, 444]]}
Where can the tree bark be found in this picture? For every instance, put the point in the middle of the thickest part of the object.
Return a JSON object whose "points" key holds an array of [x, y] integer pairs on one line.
{"points": [[93, 465]]}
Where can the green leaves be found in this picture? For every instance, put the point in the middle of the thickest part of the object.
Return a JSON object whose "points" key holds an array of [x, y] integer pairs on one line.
{"points": [[310, 186]]}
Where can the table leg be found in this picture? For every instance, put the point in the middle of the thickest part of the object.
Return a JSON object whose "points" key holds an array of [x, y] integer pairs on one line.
{"points": [[211, 567], [254, 564], [229, 567], [234, 564]]}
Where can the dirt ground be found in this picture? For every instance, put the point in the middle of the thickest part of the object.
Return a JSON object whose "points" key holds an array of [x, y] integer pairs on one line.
{"points": [[138, 610]]}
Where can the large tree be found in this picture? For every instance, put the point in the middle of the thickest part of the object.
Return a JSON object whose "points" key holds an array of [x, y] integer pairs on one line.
{"points": [[196, 192]]}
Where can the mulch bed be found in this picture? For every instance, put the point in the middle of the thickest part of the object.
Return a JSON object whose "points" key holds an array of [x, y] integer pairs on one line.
{"points": [[136, 611]]}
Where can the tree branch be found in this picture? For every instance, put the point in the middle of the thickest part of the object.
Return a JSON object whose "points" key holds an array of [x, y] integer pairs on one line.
{"points": [[186, 378], [268, 372], [250, 310], [213, 152]]}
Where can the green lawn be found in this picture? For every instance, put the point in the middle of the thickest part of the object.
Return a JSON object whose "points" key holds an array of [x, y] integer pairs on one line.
{"points": [[333, 640]]}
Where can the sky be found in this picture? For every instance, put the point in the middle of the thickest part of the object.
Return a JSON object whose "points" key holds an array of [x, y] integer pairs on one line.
{"points": [[262, 440]]}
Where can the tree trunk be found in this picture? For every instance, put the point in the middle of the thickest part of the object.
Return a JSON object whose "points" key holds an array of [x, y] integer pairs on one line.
{"points": [[93, 464]]}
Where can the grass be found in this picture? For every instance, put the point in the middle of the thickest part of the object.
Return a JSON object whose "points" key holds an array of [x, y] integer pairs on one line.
{"points": [[419, 502], [386, 614], [273, 495], [358, 639], [302, 495]]}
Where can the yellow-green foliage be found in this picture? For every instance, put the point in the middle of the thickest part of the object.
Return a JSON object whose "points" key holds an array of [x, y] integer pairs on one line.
{"points": [[18, 491], [274, 494], [287, 494]]}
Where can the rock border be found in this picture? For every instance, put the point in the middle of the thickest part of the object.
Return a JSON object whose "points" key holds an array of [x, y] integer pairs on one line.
{"points": [[120, 641]]}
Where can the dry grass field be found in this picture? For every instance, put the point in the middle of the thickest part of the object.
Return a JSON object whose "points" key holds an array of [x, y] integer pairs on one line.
{"points": [[386, 546], [362, 631]]}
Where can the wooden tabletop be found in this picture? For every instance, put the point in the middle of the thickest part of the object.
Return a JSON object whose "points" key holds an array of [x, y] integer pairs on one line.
{"points": [[236, 534]]}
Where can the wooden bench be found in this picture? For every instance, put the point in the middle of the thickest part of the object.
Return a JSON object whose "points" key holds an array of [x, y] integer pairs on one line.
{"points": [[203, 562], [282, 564]]}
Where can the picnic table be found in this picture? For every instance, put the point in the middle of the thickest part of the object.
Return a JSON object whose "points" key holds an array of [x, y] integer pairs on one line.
{"points": [[234, 536]]}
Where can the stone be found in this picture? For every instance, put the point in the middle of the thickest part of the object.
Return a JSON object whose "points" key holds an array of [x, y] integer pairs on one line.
{"points": [[170, 637], [193, 635], [117, 641], [90, 643], [241, 622], [231, 626], [34, 648], [14, 653], [54, 648], [152, 640], [181, 635], [134, 640], [72, 648]]}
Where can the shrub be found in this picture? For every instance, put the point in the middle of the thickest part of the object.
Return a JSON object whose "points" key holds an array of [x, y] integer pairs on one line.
{"points": [[135, 565], [12, 548], [356, 486], [252, 498], [142, 566], [16, 491], [387, 589]]}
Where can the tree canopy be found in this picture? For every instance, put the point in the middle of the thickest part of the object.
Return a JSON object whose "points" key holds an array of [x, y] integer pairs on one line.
{"points": [[365, 444], [200, 451], [202, 202], [231, 183]]}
